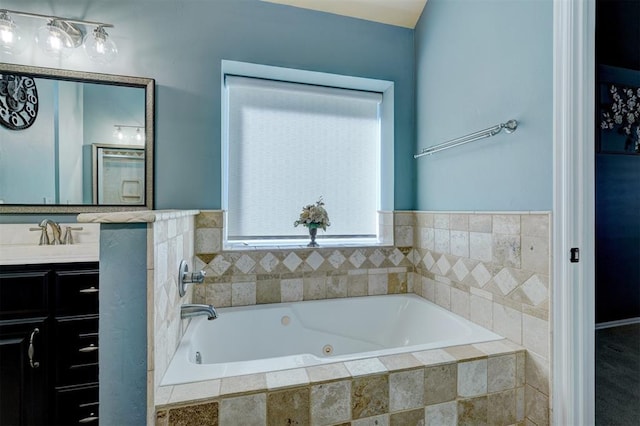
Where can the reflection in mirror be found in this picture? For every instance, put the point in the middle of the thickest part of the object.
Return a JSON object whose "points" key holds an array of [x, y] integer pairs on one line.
{"points": [[89, 147], [118, 174]]}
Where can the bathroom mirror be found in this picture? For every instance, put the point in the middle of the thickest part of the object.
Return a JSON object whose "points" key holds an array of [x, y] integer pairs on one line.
{"points": [[74, 138]]}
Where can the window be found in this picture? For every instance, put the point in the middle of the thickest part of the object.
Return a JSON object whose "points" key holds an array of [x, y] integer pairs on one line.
{"points": [[289, 143]]}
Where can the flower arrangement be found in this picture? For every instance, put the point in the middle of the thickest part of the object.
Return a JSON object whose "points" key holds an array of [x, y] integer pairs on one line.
{"points": [[624, 115], [314, 216]]}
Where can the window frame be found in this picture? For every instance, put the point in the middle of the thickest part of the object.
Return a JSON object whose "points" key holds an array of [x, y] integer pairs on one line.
{"points": [[386, 176]]}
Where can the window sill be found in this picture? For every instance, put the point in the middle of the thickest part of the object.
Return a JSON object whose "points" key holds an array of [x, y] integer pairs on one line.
{"points": [[324, 243]]}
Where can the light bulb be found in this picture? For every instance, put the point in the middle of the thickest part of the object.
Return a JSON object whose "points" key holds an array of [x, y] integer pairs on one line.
{"points": [[58, 39], [138, 135], [99, 47], [119, 134], [11, 41]]}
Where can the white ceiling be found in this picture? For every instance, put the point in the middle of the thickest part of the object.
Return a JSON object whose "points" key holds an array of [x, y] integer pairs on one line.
{"points": [[403, 13]]}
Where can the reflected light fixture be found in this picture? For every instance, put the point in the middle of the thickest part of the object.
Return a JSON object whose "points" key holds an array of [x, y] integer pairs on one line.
{"points": [[11, 41], [59, 37], [121, 132]]}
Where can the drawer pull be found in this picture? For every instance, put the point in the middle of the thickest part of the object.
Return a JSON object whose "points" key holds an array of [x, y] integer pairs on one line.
{"points": [[32, 350], [89, 348], [92, 418], [89, 290]]}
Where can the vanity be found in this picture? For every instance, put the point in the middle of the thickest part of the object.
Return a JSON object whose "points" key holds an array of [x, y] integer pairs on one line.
{"points": [[49, 316]]}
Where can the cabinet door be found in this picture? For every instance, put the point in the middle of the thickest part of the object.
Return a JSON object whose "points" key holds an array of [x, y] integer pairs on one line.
{"points": [[23, 373]]}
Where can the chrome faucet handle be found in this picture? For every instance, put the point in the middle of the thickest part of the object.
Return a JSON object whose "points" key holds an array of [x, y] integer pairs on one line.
{"points": [[44, 237], [184, 277], [68, 235]]}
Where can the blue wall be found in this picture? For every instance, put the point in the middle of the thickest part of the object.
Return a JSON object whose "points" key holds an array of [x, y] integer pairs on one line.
{"points": [[479, 63], [181, 43]]}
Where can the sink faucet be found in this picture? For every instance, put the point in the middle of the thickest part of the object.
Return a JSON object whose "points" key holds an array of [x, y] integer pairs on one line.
{"points": [[55, 231], [195, 309]]}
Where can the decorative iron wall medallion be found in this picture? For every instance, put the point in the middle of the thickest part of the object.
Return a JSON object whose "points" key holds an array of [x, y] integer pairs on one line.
{"points": [[18, 101]]}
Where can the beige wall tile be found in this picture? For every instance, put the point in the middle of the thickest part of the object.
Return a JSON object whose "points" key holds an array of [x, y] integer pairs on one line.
{"points": [[403, 236], [537, 372], [480, 223], [331, 403], [406, 390], [315, 287], [535, 225], [506, 224], [443, 295], [459, 222], [243, 293], [288, 407], [441, 221], [535, 335], [501, 408], [268, 291], [460, 302], [507, 250], [292, 290], [481, 246], [369, 396], [535, 254], [382, 420], [378, 284], [426, 239], [445, 414], [441, 241], [536, 406], [208, 240], [507, 322], [408, 418], [194, 415], [501, 373], [440, 383], [481, 311], [459, 243], [472, 378], [473, 411], [248, 410]]}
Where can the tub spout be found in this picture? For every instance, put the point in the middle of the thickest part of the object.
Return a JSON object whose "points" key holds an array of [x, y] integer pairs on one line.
{"points": [[195, 309]]}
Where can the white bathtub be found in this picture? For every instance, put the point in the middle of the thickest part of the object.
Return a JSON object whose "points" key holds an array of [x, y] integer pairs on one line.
{"points": [[262, 338]]}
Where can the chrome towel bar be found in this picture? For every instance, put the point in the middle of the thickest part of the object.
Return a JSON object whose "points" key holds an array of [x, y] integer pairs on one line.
{"points": [[509, 127]]}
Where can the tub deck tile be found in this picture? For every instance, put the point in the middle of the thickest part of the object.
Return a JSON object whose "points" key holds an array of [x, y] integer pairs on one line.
{"points": [[433, 357], [495, 347], [465, 352], [287, 378], [195, 391], [365, 367], [327, 372], [243, 384], [400, 362]]}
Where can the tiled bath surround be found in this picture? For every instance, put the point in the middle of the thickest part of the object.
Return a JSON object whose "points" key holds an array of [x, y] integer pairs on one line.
{"points": [[472, 384], [170, 238], [490, 268]]}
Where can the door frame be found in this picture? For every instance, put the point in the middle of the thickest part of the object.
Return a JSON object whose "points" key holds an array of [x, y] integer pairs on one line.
{"points": [[573, 294]]}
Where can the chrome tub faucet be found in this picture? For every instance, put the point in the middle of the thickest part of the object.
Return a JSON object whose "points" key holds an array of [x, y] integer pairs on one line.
{"points": [[195, 309]]}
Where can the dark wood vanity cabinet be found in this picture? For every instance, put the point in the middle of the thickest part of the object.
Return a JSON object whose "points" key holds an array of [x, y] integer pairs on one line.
{"points": [[49, 344]]}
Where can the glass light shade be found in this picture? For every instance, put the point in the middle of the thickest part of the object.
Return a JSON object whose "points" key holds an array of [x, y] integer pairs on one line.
{"points": [[99, 47], [11, 40], [54, 41]]}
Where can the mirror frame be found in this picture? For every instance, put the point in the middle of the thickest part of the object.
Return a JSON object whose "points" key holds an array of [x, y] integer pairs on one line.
{"points": [[90, 77]]}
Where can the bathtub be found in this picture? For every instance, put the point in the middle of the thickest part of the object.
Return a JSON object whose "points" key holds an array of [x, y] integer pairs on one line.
{"points": [[263, 338]]}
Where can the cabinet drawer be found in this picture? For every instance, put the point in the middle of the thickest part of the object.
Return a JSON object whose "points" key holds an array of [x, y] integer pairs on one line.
{"points": [[77, 292], [76, 406], [23, 294], [76, 343]]}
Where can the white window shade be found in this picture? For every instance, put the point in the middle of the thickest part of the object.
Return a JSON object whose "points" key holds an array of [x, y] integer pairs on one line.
{"points": [[289, 144]]}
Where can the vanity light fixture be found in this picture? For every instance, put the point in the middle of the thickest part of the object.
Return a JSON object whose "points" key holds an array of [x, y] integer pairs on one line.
{"points": [[59, 37], [11, 40], [121, 130]]}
